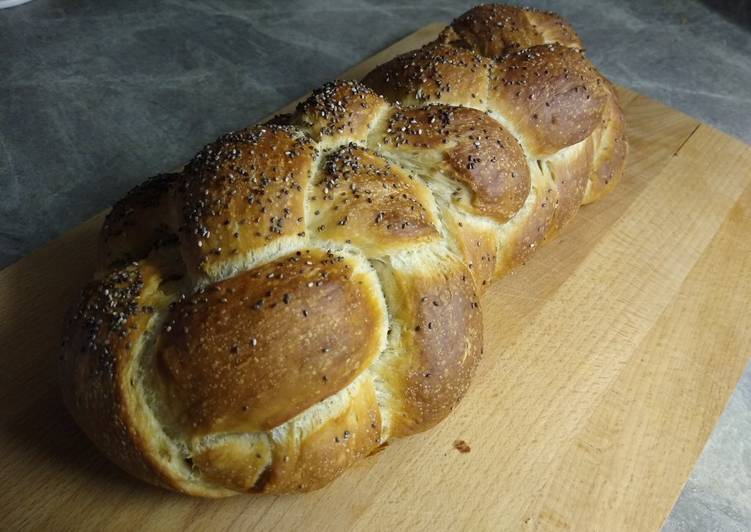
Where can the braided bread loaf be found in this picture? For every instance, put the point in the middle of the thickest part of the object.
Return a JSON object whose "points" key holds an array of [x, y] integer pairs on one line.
{"points": [[306, 290]]}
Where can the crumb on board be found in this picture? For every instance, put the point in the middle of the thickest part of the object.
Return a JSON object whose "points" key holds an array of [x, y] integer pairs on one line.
{"points": [[379, 449], [462, 446]]}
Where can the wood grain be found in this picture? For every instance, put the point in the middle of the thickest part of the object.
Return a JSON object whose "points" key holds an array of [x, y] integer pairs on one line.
{"points": [[608, 360]]}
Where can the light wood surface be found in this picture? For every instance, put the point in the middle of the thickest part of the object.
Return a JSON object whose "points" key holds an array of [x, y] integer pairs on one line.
{"points": [[608, 359]]}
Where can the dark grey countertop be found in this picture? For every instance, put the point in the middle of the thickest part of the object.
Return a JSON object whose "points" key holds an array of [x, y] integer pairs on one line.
{"points": [[96, 96]]}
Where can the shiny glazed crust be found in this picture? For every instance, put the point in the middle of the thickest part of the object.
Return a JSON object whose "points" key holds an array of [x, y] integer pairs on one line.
{"points": [[308, 289]]}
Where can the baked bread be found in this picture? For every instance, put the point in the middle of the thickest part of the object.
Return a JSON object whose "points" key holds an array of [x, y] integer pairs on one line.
{"points": [[306, 290]]}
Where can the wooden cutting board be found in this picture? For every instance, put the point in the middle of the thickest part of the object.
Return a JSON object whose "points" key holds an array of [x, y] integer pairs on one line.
{"points": [[608, 359]]}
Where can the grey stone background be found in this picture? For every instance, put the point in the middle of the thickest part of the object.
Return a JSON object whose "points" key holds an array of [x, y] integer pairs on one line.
{"points": [[96, 96]]}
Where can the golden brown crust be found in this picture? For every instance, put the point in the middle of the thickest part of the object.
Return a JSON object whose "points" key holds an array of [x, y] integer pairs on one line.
{"points": [[322, 455], [552, 28], [439, 343], [253, 351], [281, 363], [340, 111], [477, 244], [361, 199], [236, 463], [570, 170], [138, 222], [243, 192], [551, 94], [98, 368], [529, 231], [468, 146], [103, 328], [433, 73], [610, 148], [492, 30]]}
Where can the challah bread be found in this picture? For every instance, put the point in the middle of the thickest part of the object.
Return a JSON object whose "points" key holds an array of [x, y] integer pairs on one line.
{"points": [[306, 290]]}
